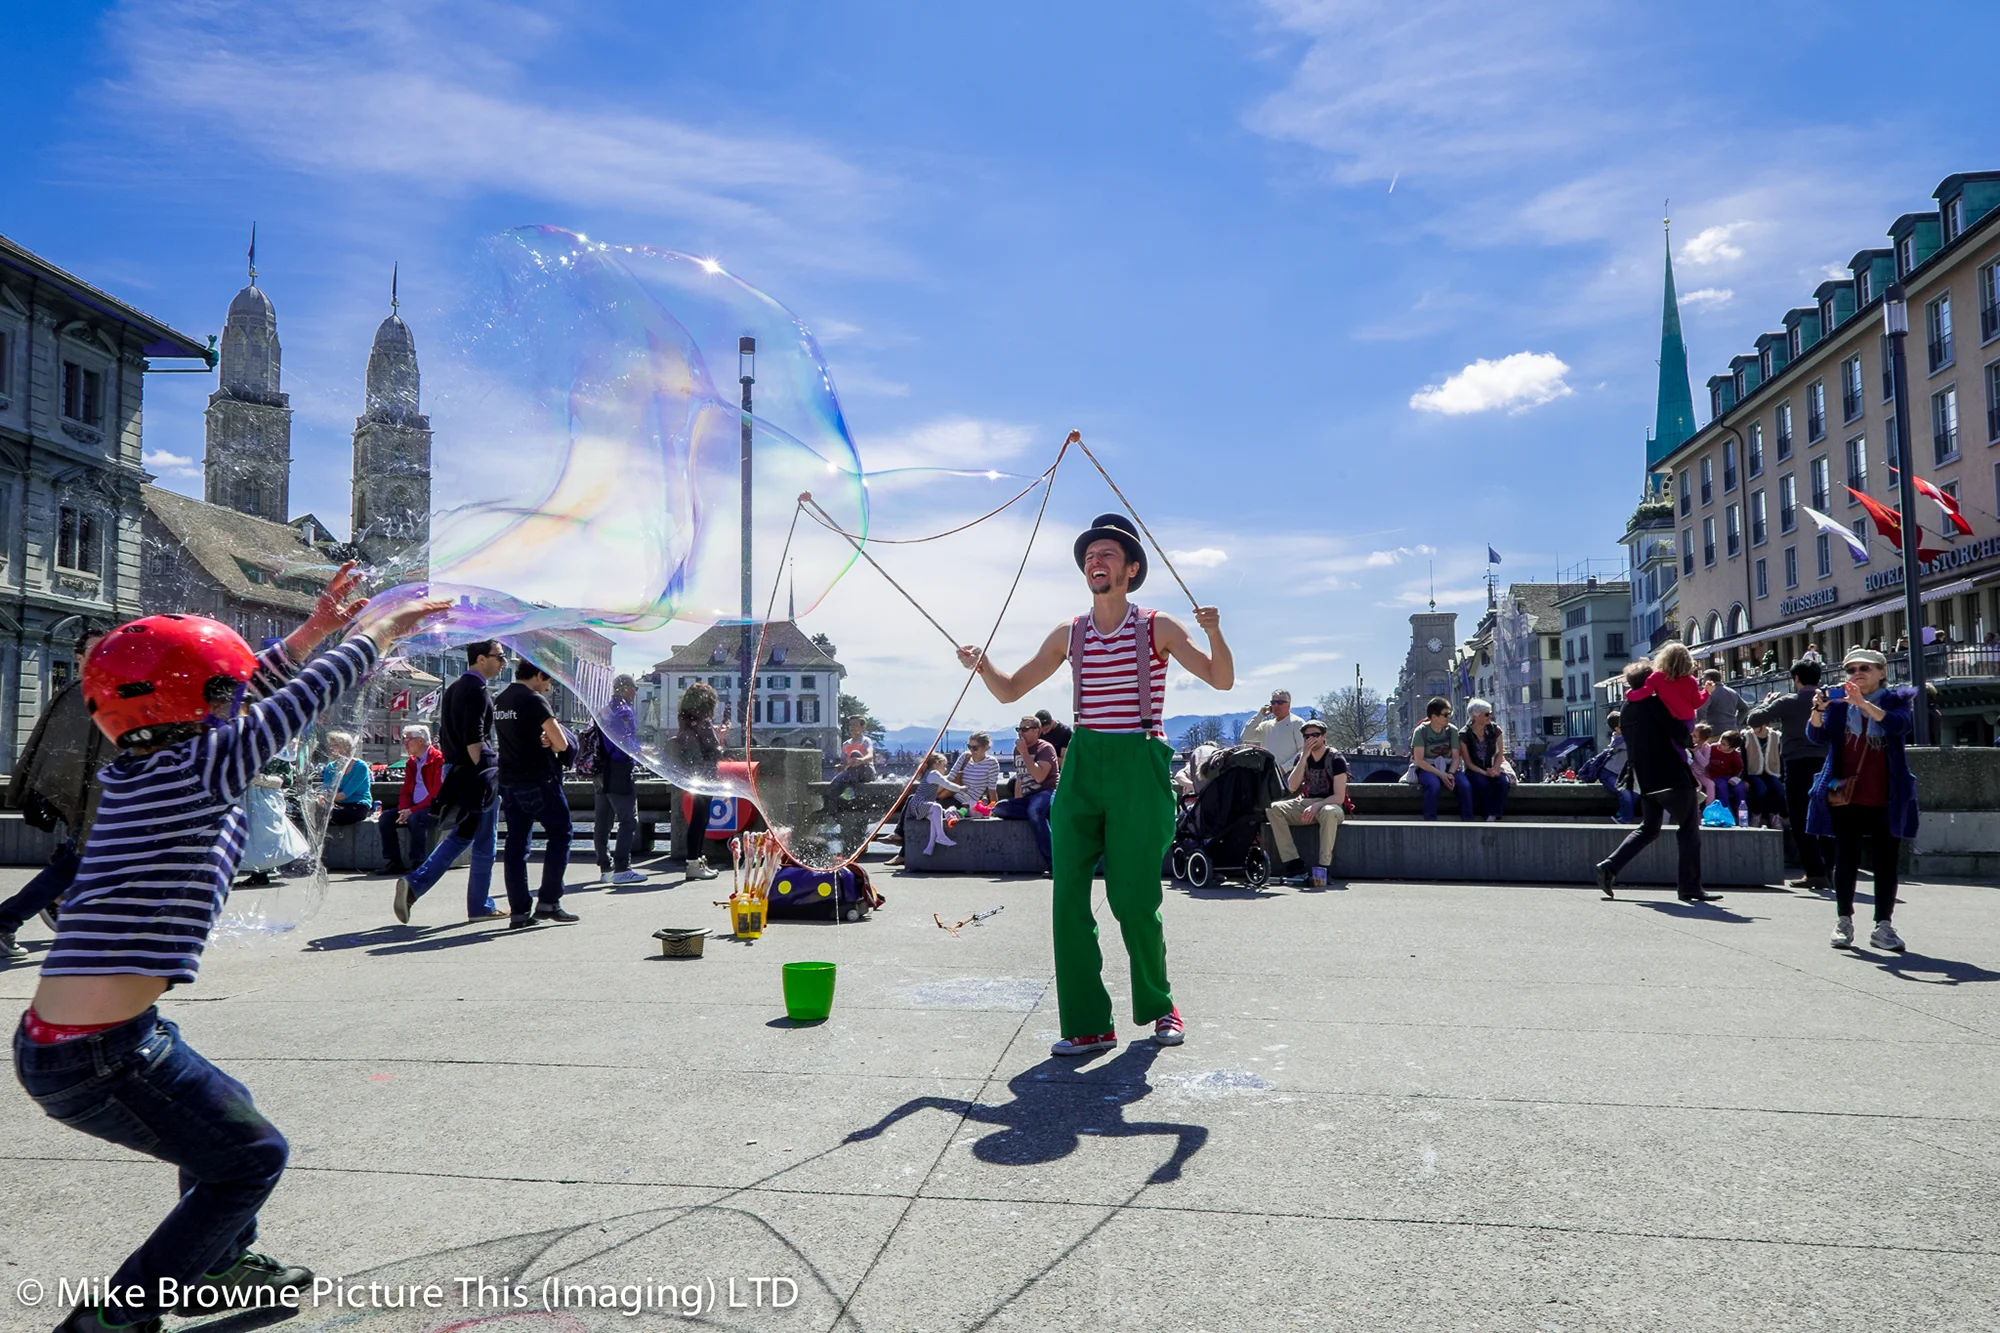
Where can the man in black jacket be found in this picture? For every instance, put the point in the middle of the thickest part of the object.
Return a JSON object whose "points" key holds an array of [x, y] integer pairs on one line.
{"points": [[1657, 743], [468, 793], [1801, 761]]}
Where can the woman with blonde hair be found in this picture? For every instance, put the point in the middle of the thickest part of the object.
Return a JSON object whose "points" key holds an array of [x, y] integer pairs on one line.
{"points": [[1673, 683]]}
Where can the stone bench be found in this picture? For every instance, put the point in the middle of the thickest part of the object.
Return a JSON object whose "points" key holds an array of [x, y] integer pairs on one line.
{"points": [[982, 847], [1528, 800], [358, 847], [1528, 852]]}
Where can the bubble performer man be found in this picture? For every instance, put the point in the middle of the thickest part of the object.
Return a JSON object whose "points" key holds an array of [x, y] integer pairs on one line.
{"points": [[1113, 801]]}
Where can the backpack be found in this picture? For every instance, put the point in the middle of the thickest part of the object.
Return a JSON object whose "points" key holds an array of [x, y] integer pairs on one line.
{"points": [[589, 752], [1592, 769]]}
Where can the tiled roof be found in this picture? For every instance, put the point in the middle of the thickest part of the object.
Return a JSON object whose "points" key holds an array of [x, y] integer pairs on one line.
{"points": [[801, 653], [222, 542]]}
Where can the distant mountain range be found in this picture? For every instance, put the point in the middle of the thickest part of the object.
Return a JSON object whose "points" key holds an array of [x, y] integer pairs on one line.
{"points": [[916, 738]]}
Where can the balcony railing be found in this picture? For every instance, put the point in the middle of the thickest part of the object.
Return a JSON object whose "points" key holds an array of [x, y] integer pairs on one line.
{"points": [[1944, 445], [1942, 662], [1850, 404], [1989, 321], [1940, 350]]}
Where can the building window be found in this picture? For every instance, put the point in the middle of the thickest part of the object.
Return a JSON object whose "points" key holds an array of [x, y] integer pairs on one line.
{"points": [[781, 710], [1756, 459], [1707, 480], [1784, 431], [1788, 503], [1906, 254], [76, 541], [1763, 580], [1857, 465], [1728, 466], [1822, 483], [1851, 394], [1815, 410], [1993, 401], [1687, 550], [808, 682], [1569, 652], [1888, 371], [1614, 645], [1954, 219], [1823, 552], [1757, 518], [1861, 531], [1707, 542], [1795, 340], [1864, 288], [1791, 566], [1687, 494], [1732, 529], [1889, 449], [808, 709], [1937, 328], [1826, 317], [82, 395], [1944, 424], [1989, 301]]}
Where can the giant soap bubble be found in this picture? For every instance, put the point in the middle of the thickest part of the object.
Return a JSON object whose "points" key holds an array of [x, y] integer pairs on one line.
{"points": [[599, 389]]}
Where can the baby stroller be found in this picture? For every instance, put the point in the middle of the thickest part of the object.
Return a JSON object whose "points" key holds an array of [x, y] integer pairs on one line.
{"points": [[1218, 833]]}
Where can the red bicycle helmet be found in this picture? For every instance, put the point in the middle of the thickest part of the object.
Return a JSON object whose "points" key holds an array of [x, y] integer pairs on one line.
{"points": [[155, 672]]}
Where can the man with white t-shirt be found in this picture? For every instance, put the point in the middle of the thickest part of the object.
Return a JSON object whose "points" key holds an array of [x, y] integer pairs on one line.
{"points": [[1114, 800], [1278, 729]]}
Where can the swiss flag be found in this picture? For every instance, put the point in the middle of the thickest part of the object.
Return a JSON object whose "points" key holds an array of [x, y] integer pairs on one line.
{"points": [[401, 700]]}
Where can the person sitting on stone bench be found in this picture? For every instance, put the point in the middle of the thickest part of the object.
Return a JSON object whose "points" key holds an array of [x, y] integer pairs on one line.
{"points": [[857, 762], [1036, 770], [976, 774], [1318, 783]]}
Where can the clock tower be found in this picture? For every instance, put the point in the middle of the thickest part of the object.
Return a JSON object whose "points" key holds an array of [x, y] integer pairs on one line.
{"points": [[1426, 673]]}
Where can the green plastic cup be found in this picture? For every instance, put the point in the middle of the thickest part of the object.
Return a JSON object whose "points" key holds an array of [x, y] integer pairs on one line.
{"points": [[808, 991]]}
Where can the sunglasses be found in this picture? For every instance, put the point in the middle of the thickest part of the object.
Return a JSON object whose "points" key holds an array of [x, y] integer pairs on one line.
{"points": [[1860, 667]]}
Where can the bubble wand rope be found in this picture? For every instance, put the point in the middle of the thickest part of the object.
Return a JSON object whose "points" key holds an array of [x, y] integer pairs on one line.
{"points": [[812, 510], [1019, 572], [1076, 438], [1045, 474]]}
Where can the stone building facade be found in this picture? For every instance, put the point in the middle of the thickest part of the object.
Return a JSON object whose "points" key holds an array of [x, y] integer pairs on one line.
{"points": [[72, 366], [1427, 671], [795, 696], [391, 517], [1806, 422]]}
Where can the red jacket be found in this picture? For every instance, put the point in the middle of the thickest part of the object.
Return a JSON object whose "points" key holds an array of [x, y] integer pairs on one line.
{"points": [[432, 766]]}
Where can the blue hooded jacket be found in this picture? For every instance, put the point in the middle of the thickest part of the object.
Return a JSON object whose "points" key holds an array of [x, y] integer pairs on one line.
{"points": [[1896, 724]]}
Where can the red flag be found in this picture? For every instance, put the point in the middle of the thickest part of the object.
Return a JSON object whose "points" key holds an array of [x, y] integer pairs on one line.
{"points": [[1947, 504], [400, 700], [1887, 521]]}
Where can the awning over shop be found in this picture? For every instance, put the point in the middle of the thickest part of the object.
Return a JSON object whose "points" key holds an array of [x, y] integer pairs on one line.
{"points": [[1557, 749], [1831, 620]]}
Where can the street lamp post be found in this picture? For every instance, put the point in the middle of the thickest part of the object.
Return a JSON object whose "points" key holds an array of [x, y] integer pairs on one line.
{"points": [[1896, 323], [746, 365]]}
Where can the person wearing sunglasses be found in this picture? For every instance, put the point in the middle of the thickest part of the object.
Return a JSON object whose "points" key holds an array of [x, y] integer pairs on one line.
{"points": [[1865, 795], [977, 771]]}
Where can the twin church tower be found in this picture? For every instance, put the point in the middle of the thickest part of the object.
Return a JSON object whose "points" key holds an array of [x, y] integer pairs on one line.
{"points": [[248, 463]]}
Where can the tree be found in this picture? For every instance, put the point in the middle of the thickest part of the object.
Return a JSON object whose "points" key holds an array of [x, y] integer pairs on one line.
{"points": [[1354, 715], [853, 707], [825, 645]]}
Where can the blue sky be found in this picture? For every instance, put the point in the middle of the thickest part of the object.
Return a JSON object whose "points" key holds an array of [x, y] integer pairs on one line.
{"points": [[1254, 251]]}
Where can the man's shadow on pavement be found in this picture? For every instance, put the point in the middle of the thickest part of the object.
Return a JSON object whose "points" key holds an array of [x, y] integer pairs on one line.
{"points": [[1922, 968], [1050, 1117]]}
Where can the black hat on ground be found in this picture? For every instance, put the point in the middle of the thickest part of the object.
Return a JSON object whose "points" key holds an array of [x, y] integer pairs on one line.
{"points": [[1117, 528]]}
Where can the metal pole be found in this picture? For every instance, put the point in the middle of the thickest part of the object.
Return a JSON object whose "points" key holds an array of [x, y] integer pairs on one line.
{"points": [[746, 353], [1896, 323]]}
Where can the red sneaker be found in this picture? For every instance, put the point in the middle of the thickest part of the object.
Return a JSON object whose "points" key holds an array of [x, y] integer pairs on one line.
{"points": [[1169, 1030], [1104, 1041]]}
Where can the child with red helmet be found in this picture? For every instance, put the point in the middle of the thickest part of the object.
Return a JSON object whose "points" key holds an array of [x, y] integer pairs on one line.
{"points": [[92, 1049]]}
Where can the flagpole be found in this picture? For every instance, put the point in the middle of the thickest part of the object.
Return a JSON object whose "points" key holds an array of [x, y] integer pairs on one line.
{"points": [[1896, 324]]}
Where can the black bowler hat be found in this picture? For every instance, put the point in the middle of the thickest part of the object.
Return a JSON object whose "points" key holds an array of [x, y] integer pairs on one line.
{"points": [[1117, 528]]}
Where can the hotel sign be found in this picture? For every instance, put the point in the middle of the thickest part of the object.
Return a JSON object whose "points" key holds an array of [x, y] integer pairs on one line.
{"points": [[1958, 557], [1812, 601]]}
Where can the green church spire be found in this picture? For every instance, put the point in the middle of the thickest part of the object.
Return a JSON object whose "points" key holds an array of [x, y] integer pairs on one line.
{"points": [[1673, 423]]}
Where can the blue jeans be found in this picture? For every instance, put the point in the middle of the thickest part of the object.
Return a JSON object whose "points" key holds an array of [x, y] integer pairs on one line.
{"points": [[1480, 795], [539, 803], [140, 1086], [1432, 784], [46, 887], [479, 886], [1628, 800], [1035, 809]]}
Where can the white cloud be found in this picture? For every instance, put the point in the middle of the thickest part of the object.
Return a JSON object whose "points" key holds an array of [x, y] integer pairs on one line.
{"points": [[169, 464], [1516, 383], [1708, 296], [434, 99], [1712, 245], [1443, 596], [1383, 559], [1837, 271], [1202, 557], [952, 442]]}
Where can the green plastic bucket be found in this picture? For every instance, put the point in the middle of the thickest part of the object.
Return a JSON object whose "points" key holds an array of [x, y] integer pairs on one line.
{"points": [[808, 991]]}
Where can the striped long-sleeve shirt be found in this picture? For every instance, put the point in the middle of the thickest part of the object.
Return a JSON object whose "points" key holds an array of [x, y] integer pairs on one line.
{"points": [[170, 827]]}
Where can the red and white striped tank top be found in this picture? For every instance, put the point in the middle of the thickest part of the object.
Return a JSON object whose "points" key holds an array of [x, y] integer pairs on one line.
{"points": [[1107, 678]]}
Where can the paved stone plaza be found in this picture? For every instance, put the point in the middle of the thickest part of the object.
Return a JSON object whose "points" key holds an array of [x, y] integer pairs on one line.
{"points": [[1400, 1107]]}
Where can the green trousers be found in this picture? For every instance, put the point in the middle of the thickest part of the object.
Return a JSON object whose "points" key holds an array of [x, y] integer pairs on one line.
{"points": [[1113, 802]]}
